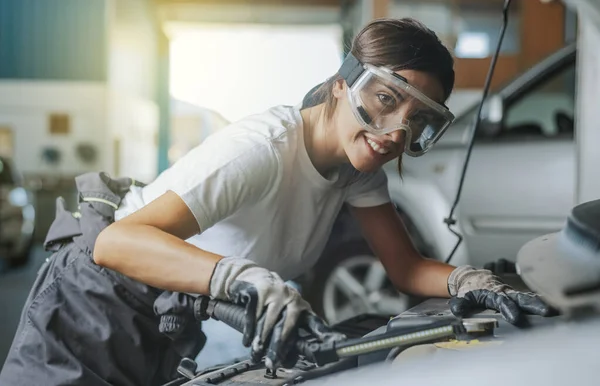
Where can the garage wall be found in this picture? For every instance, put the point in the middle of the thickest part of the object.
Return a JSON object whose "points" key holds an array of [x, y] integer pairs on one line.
{"points": [[53, 39], [132, 125], [27, 108], [132, 48], [284, 12], [92, 63], [132, 111], [53, 56]]}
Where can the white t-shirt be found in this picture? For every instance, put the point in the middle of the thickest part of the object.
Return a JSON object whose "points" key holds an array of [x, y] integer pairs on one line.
{"points": [[255, 193]]}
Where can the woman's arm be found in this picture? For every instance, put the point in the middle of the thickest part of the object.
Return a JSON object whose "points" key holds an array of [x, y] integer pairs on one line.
{"points": [[149, 246], [407, 269], [208, 184]]}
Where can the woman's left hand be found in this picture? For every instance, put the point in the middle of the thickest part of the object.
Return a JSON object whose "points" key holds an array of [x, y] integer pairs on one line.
{"points": [[473, 289]]}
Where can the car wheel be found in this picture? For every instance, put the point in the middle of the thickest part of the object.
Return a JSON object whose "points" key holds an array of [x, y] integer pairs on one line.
{"points": [[352, 281]]}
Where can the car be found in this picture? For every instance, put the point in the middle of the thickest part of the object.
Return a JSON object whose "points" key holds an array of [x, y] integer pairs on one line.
{"points": [[520, 184], [17, 216]]}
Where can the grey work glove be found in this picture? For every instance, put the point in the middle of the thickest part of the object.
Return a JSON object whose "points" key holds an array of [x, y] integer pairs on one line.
{"points": [[274, 310], [473, 289]]}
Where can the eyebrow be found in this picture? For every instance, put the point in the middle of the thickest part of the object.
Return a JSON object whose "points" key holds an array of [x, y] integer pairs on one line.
{"points": [[395, 92], [398, 94], [427, 109]]}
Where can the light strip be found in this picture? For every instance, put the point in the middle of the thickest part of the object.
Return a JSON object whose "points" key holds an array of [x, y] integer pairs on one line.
{"points": [[385, 343]]}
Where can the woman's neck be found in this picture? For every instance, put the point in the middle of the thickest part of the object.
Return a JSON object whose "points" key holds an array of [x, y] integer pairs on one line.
{"points": [[320, 139]]}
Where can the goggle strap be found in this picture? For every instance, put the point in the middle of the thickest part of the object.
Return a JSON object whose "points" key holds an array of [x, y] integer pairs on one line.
{"points": [[365, 116], [351, 69]]}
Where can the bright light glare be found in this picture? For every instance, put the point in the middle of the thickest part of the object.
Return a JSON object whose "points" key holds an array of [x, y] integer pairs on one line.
{"points": [[18, 197], [239, 70], [473, 45]]}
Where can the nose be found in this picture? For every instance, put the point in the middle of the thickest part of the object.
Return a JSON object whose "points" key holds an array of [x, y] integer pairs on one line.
{"points": [[398, 137]]}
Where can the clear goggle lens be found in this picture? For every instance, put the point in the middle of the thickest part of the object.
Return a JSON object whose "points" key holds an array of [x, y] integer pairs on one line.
{"points": [[384, 103]]}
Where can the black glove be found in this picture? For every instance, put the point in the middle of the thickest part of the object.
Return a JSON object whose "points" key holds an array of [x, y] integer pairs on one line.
{"points": [[473, 289], [274, 310], [176, 311], [178, 323]]}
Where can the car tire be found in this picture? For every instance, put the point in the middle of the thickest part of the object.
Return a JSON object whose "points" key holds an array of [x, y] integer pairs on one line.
{"points": [[334, 301], [355, 257]]}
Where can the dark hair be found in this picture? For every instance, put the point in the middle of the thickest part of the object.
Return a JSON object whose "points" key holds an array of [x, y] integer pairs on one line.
{"points": [[400, 44]]}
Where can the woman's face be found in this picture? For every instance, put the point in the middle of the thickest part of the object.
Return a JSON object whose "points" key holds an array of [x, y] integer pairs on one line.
{"points": [[368, 152]]}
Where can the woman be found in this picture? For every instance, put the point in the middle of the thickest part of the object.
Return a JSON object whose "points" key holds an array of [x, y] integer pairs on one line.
{"points": [[249, 208]]}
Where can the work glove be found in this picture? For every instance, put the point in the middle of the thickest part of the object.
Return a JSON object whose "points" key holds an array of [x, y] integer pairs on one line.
{"points": [[176, 311], [274, 311], [177, 322], [473, 289]]}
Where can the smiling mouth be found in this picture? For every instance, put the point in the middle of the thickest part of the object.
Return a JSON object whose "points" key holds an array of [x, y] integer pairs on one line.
{"points": [[376, 147]]}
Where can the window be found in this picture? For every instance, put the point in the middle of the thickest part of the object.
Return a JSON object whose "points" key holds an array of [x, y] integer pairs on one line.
{"points": [[241, 69], [546, 110], [477, 28], [469, 28]]}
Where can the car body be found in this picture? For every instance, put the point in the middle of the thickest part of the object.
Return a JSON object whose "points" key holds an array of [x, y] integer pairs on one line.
{"points": [[520, 184], [17, 216]]}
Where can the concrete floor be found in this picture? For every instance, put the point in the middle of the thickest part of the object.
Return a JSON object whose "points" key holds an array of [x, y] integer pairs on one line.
{"points": [[223, 344]]}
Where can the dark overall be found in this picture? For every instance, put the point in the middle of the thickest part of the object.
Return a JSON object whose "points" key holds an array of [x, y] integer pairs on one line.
{"points": [[83, 324]]}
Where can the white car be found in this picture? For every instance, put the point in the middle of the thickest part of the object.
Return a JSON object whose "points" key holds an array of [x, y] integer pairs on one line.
{"points": [[17, 217], [519, 185]]}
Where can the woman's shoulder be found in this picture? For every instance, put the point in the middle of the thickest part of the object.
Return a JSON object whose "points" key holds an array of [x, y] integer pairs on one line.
{"points": [[270, 124], [250, 145], [260, 133], [252, 141]]}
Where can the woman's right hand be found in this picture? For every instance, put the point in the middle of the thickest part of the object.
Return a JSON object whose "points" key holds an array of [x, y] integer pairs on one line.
{"points": [[274, 310]]}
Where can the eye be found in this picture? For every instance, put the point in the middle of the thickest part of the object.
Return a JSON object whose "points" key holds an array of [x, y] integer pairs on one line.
{"points": [[386, 100]]}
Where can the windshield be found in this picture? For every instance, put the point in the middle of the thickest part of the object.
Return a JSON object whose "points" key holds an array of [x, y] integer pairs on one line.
{"points": [[554, 63]]}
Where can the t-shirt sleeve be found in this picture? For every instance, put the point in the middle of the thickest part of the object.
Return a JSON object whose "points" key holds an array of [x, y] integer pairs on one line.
{"points": [[222, 175], [369, 190]]}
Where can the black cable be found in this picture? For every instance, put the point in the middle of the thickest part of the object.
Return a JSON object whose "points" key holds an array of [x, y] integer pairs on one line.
{"points": [[177, 382], [394, 353], [450, 220], [328, 369]]}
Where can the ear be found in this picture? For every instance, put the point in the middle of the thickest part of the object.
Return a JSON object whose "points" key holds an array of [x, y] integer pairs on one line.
{"points": [[339, 88]]}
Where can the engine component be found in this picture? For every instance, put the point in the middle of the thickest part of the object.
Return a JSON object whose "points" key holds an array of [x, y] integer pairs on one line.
{"points": [[564, 267]]}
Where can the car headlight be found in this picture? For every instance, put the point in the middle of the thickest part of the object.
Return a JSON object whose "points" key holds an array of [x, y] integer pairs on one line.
{"points": [[18, 197]]}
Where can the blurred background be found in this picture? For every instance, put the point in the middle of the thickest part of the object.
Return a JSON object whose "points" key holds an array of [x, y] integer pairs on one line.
{"points": [[129, 86]]}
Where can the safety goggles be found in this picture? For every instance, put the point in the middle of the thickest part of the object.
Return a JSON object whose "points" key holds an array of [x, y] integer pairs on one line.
{"points": [[383, 101]]}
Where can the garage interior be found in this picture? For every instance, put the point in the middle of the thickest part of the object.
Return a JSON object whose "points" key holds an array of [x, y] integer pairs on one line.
{"points": [[129, 87]]}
